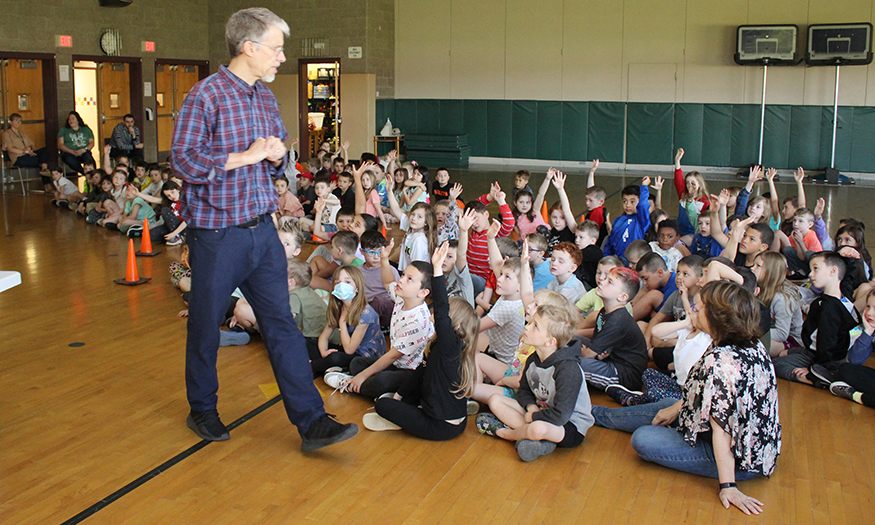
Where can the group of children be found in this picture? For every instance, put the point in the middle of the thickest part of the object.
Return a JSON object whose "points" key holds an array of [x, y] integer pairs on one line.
{"points": [[132, 193], [528, 308]]}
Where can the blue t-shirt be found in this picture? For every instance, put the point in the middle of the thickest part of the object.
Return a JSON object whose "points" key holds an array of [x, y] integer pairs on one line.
{"points": [[668, 289], [706, 247], [373, 343], [542, 276]]}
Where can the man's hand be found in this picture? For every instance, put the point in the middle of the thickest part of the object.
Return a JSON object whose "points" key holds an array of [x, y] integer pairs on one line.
{"points": [[276, 150], [257, 151]]}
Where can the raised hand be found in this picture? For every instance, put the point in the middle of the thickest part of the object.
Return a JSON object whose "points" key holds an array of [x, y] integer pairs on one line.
{"points": [[492, 232], [678, 156], [385, 251], [645, 181], [467, 219], [595, 165], [437, 258], [799, 175], [770, 174], [344, 145], [392, 155], [500, 198], [657, 184], [558, 179], [818, 209], [455, 191], [318, 207], [755, 174], [524, 254], [723, 198]]}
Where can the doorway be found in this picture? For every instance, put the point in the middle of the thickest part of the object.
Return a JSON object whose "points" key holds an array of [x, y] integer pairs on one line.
{"points": [[173, 80], [29, 87], [105, 91], [318, 104]]}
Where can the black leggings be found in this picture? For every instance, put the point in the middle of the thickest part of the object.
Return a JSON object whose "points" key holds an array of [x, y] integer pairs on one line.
{"points": [[862, 379], [171, 222], [320, 364], [378, 384], [416, 422]]}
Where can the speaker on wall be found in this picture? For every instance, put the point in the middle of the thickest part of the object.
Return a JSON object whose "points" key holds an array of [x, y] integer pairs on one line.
{"points": [[839, 45], [772, 45]]}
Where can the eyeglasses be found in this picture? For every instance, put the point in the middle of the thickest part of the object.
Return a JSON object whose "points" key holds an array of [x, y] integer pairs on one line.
{"points": [[277, 50], [372, 253]]}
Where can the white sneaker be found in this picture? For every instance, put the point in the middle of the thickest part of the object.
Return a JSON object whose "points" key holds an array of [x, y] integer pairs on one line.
{"points": [[337, 380], [175, 241], [377, 423], [386, 395]]}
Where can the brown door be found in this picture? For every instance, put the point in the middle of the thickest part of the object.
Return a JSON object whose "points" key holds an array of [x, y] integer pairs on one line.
{"points": [[319, 95], [22, 85], [113, 98], [172, 84]]}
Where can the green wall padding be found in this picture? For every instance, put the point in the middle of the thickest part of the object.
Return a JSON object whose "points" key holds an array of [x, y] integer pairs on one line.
{"points": [[716, 134], [524, 139], [776, 136], [688, 123], [649, 137], [719, 135], [606, 132], [499, 125], [575, 127], [745, 134], [452, 117], [804, 147], [863, 139], [549, 130], [475, 117]]}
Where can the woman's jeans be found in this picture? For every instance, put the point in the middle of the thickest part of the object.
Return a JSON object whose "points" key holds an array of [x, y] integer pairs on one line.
{"points": [[662, 445]]}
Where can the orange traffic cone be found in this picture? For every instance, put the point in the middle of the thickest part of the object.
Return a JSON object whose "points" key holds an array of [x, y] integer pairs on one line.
{"points": [[544, 213], [383, 230], [132, 276], [146, 242]]}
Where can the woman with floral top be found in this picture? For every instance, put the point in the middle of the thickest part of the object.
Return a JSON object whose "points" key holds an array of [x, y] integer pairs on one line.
{"points": [[726, 426]]}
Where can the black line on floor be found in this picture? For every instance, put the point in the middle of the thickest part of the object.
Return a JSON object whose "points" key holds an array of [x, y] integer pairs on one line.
{"points": [[160, 469]]}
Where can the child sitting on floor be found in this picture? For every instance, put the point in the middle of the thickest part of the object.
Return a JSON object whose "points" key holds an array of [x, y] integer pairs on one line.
{"points": [[537, 248], [664, 245], [564, 261], [375, 291], [410, 330], [552, 406], [659, 284], [502, 326], [586, 239], [288, 206], [633, 223], [351, 315], [445, 216], [617, 354], [308, 309], [431, 403], [826, 331]]}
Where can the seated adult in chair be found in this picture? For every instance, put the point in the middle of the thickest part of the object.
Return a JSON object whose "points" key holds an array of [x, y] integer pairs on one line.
{"points": [[21, 149], [126, 139], [75, 141]]}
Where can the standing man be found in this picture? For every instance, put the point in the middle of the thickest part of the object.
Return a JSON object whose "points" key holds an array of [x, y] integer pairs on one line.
{"points": [[228, 145], [126, 139]]}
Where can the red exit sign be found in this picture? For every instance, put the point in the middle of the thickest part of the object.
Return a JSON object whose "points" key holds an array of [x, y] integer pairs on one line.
{"points": [[149, 46], [64, 41]]}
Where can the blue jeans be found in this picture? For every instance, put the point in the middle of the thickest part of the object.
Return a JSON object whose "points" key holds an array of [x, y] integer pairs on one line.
{"points": [[253, 260], [662, 445], [75, 162]]}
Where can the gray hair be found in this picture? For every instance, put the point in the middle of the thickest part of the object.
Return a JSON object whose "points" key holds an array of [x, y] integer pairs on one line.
{"points": [[251, 24]]}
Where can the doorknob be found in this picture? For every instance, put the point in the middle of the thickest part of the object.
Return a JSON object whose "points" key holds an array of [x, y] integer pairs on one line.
{"points": [[103, 118]]}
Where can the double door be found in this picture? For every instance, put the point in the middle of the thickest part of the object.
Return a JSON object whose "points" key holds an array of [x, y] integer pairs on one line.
{"points": [[173, 81]]}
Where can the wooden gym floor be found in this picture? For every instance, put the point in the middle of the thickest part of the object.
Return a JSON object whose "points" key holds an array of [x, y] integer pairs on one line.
{"points": [[92, 426]]}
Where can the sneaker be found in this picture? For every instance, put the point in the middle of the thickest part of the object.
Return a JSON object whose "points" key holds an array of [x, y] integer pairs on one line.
{"points": [[175, 241], [61, 204], [529, 450], [624, 396], [135, 230], [334, 369], [489, 424], [111, 226], [230, 338], [386, 395], [326, 430], [473, 407], [337, 380], [842, 390], [207, 425], [821, 376], [54, 202], [378, 423], [73, 206]]}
